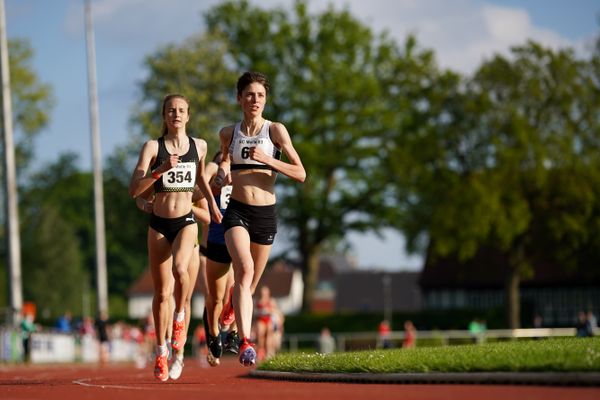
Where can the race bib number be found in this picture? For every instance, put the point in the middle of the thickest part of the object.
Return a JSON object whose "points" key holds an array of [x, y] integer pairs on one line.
{"points": [[183, 176], [225, 196]]}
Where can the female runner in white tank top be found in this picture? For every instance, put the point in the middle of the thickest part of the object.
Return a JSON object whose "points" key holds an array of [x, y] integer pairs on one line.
{"points": [[251, 150]]}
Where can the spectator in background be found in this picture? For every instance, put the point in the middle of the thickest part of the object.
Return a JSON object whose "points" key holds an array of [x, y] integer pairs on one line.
{"points": [[264, 311], [538, 323], [27, 328], [278, 320], [583, 326], [87, 326], [326, 344], [477, 329], [410, 335], [385, 334], [102, 330], [63, 323]]}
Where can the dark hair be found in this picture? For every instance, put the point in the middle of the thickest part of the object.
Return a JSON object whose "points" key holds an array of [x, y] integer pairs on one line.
{"points": [[168, 98], [251, 77]]}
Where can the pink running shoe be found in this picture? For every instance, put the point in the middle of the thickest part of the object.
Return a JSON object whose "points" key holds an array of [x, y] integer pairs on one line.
{"points": [[247, 353], [178, 340], [228, 314], [161, 368]]}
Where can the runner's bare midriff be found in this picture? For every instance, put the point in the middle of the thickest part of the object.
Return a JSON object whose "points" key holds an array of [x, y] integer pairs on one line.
{"points": [[254, 187], [172, 204]]}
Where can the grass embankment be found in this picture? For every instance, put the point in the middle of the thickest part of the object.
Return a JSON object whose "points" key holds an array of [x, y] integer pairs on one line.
{"points": [[545, 355]]}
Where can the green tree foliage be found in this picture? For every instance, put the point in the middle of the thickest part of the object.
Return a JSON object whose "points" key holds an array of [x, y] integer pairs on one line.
{"points": [[53, 273], [32, 100], [515, 168], [63, 194]]}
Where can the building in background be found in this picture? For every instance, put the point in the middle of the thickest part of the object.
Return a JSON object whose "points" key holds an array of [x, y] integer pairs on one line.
{"points": [[553, 293], [377, 291]]}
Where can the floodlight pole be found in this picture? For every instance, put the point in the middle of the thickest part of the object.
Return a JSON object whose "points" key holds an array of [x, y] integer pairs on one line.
{"points": [[10, 179], [101, 280]]}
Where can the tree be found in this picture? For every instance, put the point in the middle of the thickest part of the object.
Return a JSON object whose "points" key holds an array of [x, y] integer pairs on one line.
{"points": [[512, 167], [61, 193], [51, 253]]}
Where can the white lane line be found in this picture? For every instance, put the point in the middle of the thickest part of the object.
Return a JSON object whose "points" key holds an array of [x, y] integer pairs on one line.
{"points": [[84, 382]]}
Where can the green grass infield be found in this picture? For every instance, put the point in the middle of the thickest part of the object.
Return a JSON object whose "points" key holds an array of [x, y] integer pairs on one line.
{"points": [[544, 355]]}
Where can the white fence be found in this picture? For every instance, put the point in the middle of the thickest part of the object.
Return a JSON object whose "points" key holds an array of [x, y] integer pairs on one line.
{"points": [[52, 347]]}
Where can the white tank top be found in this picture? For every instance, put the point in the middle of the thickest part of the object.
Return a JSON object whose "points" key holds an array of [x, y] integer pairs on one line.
{"points": [[239, 148]]}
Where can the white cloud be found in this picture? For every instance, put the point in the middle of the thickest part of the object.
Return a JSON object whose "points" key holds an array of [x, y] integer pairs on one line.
{"points": [[507, 27], [506, 23], [462, 32]]}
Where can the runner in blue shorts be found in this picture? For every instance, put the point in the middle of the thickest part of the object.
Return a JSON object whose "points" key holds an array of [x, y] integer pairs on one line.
{"points": [[219, 276]]}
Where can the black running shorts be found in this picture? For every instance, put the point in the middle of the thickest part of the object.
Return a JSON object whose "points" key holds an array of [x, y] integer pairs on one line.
{"points": [[259, 221]]}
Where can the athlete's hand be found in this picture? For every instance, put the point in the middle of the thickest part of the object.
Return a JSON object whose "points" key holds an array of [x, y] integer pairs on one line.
{"points": [[169, 164], [215, 213], [222, 176], [149, 206], [144, 204], [257, 154]]}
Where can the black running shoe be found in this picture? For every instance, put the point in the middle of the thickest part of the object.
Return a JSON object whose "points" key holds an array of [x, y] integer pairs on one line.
{"points": [[232, 342], [214, 345]]}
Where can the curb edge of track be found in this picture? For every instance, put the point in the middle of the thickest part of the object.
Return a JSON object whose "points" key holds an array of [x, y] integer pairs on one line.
{"points": [[478, 378]]}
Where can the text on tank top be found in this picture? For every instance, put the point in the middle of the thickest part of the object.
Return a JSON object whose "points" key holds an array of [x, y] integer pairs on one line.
{"points": [[239, 148]]}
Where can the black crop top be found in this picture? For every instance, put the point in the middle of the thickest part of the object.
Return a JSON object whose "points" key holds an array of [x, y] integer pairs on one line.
{"points": [[182, 178]]}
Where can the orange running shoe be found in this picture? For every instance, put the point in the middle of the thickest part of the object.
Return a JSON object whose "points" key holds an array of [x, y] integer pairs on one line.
{"points": [[161, 368], [178, 339], [228, 314], [247, 353]]}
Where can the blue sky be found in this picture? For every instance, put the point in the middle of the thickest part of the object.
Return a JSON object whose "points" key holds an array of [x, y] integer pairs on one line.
{"points": [[462, 32]]}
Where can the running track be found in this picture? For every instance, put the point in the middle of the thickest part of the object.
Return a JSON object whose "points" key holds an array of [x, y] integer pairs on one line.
{"points": [[230, 381]]}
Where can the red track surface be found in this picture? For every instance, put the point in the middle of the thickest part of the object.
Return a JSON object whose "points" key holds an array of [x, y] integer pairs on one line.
{"points": [[230, 381]]}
